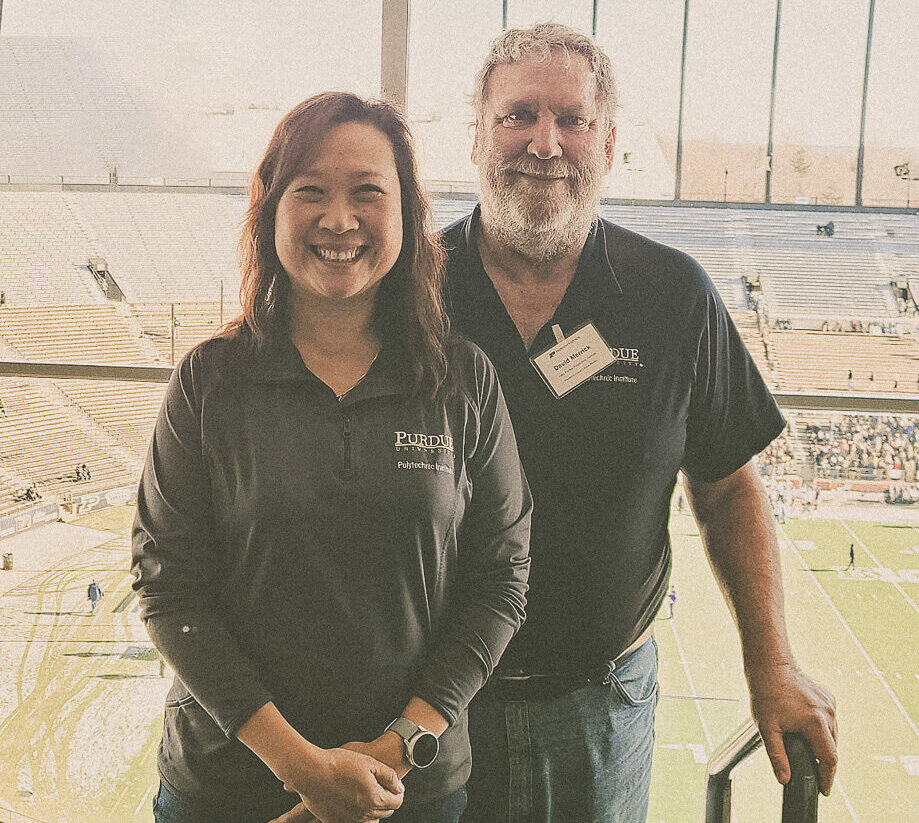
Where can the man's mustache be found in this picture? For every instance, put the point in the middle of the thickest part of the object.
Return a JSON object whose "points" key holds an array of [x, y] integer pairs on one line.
{"points": [[545, 168]]}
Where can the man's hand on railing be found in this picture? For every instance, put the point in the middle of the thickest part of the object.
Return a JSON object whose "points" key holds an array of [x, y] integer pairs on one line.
{"points": [[783, 699]]}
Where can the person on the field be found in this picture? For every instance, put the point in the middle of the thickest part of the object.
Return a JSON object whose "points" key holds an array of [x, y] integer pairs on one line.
{"points": [[671, 599], [332, 523], [851, 557], [94, 594], [621, 366]]}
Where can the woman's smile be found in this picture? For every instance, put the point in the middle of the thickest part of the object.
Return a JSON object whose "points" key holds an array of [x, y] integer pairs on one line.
{"points": [[330, 255]]}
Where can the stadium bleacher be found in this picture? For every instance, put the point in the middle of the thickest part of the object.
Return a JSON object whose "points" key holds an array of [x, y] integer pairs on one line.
{"points": [[42, 440], [881, 364]]}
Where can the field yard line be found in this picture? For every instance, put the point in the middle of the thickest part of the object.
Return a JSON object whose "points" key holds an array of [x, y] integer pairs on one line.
{"points": [[142, 801], [692, 688], [897, 586], [837, 784], [20, 815], [848, 628], [128, 785]]}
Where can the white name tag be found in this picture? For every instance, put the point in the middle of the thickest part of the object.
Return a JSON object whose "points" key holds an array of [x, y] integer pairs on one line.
{"points": [[573, 360]]}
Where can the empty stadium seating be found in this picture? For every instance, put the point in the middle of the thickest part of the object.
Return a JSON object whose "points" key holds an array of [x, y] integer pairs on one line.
{"points": [[821, 360], [42, 440], [170, 252]]}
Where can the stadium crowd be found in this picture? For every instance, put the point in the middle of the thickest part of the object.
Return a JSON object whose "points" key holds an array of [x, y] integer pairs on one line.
{"points": [[777, 458], [867, 447]]}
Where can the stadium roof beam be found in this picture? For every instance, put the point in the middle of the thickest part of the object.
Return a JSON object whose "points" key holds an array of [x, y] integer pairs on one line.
{"points": [[678, 171], [860, 167], [775, 64], [394, 52]]}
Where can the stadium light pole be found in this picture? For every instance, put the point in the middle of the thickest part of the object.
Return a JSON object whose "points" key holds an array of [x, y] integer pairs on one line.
{"points": [[860, 170], [775, 63]]}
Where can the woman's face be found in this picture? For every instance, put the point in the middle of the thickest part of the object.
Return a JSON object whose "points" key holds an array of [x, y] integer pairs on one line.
{"points": [[338, 228]]}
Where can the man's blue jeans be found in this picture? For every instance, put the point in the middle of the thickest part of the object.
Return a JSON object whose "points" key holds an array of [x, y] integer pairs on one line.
{"points": [[584, 757], [168, 808]]}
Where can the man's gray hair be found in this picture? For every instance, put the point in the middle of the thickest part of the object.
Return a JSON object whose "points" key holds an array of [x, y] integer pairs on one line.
{"points": [[540, 42]]}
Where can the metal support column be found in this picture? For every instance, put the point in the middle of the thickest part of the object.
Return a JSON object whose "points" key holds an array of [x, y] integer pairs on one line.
{"points": [[677, 175], [775, 63], [860, 170], [394, 55], [593, 25], [503, 15]]}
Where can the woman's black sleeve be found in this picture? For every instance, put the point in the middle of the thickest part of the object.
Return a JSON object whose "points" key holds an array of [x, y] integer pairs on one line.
{"points": [[494, 538], [176, 557]]}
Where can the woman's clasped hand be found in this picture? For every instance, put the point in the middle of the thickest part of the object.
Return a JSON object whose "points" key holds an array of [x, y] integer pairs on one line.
{"points": [[343, 786]]}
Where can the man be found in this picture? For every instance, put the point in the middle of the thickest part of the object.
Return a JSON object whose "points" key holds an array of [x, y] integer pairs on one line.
{"points": [[563, 732], [94, 594]]}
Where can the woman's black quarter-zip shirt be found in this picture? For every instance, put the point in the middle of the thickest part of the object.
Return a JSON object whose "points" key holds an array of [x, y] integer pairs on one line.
{"points": [[336, 557]]}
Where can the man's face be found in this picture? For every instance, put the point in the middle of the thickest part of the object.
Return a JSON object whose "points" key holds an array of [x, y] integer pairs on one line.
{"points": [[542, 149]]}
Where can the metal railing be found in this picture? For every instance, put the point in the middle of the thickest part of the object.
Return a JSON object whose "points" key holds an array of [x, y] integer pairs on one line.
{"points": [[85, 371], [801, 401], [799, 797]]}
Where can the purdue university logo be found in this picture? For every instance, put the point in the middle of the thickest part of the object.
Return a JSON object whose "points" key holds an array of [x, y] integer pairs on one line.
{"points": [[625, 355], [431, 443]]}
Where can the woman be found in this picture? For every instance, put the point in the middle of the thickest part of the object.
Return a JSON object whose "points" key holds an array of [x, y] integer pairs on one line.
{"points": [[332, 524]]}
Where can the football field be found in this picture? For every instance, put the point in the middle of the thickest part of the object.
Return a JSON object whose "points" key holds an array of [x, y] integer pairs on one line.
{"points": [[856, 632], [81, 694]]}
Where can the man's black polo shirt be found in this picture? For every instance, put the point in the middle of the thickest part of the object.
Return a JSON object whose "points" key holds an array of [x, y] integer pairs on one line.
{"points": [[602, 460]]}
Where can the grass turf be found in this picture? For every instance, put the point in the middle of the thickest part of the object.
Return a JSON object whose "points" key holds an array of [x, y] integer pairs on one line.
{"points": [[857, 632]]}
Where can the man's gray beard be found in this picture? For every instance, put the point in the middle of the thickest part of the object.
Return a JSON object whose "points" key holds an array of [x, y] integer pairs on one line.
{"points": [[532, 227]]}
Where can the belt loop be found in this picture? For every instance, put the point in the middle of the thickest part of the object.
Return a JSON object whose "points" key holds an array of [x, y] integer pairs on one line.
{"points": [[608, 677]]}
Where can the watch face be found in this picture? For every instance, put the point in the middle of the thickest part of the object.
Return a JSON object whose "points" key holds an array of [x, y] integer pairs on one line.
{"points": [[425, 749]]}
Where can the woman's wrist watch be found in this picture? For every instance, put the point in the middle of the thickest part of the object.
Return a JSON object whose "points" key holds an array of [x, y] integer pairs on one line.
{"points": [[421, 746]]}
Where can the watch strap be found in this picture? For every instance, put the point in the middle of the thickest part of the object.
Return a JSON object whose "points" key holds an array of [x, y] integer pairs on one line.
{"points": [[403, 727]]}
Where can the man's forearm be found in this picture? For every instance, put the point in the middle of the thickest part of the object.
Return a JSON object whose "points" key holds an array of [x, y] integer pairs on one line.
{"points": [[738, 531]]}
